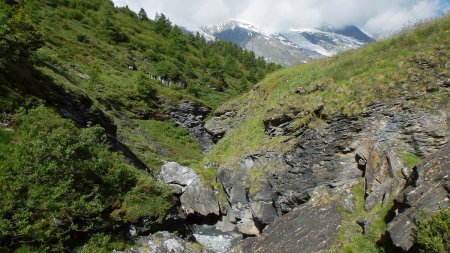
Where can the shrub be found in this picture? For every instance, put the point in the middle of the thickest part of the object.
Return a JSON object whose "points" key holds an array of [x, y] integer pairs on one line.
{"points": [[143, 86], [82, 38], [58, 182], [433, 234]]}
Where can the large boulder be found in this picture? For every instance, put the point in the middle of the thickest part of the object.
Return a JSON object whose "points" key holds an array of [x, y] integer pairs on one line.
{"points": [[427, 190], [195, 197], [382, 181], [308, 228]]}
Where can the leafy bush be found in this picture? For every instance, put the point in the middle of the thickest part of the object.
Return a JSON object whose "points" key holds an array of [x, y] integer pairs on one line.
{"points": [[144, 87], [59, 183], [433, 234], [18, 36]]}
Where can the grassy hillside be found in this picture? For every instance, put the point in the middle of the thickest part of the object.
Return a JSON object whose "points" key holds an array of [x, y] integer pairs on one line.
{"points": [[80, 81], [112, 56], [406, 66]]}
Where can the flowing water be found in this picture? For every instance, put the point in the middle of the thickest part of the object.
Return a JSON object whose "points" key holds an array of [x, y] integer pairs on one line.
{"points": [[214, 239]]}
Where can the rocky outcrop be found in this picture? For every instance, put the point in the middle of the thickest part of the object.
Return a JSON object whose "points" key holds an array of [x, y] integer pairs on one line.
{"points": [[306, 229], [382, 181], [191, 117], [333, 156], [226, 118], [164, 242], [195, 197], [247, 211], [221, 123], [321, 158], [428, 189], [278, 125]]}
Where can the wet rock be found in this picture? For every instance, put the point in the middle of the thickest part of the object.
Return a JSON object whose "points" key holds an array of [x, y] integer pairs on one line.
{"points": [[164, 242], [195, 197], [175, 221], [427, 190], [216, 240], [307, 228], [191, 117]]}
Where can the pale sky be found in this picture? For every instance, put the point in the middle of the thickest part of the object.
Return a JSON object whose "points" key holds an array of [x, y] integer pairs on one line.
{"points": [[373, 16]]}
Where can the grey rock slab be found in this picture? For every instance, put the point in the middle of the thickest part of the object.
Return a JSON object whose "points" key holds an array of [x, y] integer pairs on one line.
{"points": [[306, 229], [427, 190]]}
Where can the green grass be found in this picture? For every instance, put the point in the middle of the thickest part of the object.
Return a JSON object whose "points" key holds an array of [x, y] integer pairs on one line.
{"points": [[349, 238], [176, 141], [410, 160]]}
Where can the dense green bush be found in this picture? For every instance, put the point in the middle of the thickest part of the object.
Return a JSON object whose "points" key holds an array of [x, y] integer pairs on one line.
{"points": [[144, 87], [18, 36], [433, 234], [59, 184]]}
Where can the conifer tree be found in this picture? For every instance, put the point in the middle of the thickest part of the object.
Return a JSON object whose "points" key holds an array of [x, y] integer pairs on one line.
{"points": [[142, 15]]}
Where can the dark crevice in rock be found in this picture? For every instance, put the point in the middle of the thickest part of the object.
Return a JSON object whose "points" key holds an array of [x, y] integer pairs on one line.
{"points": [[198, 219], [191, 117], [175, 221]]}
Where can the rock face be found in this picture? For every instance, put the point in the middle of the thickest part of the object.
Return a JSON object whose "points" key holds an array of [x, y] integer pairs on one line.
{"points": [[190, 117], [306, 229], [248, 212], [428, 189], [381, 176], [195, 197], [164, 242], [332, 156], [225, 118]]}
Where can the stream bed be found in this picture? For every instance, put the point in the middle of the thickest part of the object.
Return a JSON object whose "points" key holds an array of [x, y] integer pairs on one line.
{"points": [[214, 239]]}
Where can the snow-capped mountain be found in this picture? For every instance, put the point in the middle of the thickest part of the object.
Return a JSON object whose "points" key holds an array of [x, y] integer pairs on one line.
{"points": [[291, 47]]}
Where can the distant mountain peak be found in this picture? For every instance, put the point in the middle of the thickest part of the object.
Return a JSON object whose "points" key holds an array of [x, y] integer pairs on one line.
{"points": [[291, 47]]}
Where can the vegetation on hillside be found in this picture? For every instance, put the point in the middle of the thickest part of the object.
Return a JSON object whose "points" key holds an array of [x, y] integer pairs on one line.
{"points": [[433, 232], [66, 63], [60, 184], [406, 66], [63, 185]]}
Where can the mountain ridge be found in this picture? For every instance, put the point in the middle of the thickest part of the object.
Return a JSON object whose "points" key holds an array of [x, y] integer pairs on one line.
{"points": [[287, 47]]}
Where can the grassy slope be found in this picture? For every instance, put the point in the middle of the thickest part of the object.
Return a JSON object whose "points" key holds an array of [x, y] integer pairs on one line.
{"points": [[78, 58], [344, 85], [98, 68]]}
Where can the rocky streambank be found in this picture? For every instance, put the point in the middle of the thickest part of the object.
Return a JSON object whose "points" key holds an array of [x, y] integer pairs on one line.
{"points": [[296, 205]]}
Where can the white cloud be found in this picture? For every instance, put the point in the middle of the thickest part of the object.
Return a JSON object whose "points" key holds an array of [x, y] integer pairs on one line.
{"points": [[374, 16]]}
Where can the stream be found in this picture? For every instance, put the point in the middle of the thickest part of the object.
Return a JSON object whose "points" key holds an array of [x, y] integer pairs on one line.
{"points": [[214, 239]]}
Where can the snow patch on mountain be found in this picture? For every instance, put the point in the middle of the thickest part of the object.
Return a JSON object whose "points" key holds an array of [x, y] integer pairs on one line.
{"points": [[290, 47]]}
